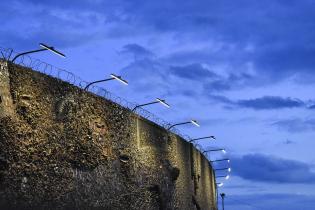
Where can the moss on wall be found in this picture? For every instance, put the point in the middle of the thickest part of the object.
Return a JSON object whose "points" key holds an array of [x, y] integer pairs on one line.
{"points": [[64, 148]]}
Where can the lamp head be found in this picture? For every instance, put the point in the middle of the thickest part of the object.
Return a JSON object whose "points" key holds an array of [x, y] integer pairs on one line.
{"points": [[220, 184], [119, 79], [163, 102], [51, 49], [195, 123]]}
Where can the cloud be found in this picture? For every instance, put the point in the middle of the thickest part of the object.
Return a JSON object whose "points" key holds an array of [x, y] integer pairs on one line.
{"points": [[138, 51], [267, 40], [312, 107], [287, 142], [258, 167], [270, 201], [62, 26], [275, 51], [262, 103], [270, 102], [296, 125], [192, 71], [230, 82]]}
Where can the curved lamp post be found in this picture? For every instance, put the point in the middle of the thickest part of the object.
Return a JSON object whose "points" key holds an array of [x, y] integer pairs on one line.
{"points": [[44, 47], [194, 122], [226, 177], [158, 100], [113, 77], [219, 184], [226, 159], [207, 137], [222, 196], [214, 150], [223, 169]]}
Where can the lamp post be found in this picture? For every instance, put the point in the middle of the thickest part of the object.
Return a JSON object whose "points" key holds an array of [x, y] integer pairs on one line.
{"points": [[113, 77], [43, 48], [194, 122], [219, 184], [222, 196], [207, 137], [214, 150], [226, 177], [222, 169], [158, 100], [228, 160]]}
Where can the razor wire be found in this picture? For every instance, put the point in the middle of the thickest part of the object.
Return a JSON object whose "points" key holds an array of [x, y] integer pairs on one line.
{"points": [[5, 53], [64, 75]]}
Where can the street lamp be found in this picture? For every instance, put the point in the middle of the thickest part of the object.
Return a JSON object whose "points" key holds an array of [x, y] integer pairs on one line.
{"points": [[158, 100], [226, 177], [113, 77], [194, 122], [207, 137], [44, 48], [220, 184], [222, 169], [215, 150], [222, 196], [228, 160]]}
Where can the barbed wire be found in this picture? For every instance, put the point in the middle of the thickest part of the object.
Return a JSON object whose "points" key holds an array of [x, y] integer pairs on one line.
{"points": [[67, 76], [64, 75]]}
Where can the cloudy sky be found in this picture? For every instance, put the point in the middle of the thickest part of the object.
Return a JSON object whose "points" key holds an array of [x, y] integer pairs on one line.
{"points": [[244, 69]]}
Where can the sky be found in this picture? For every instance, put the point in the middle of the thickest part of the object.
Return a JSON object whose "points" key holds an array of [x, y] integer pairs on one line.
{"points": [[243, 69]]}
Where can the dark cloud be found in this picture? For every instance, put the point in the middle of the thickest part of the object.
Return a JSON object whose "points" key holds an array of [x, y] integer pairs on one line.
{"points": [[270, 102], [221, 99], [138, 51], [312, 107], [295, 125], [269, 26], [193, 71], [262, 103], [231, 82], [258, 167], [287, 142]]}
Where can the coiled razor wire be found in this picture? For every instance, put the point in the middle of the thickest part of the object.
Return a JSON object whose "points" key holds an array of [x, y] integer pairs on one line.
{"points": [[64, 75]]}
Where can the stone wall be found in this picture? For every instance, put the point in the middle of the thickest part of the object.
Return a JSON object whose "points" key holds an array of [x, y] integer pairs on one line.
{"points": [[64, 148]]}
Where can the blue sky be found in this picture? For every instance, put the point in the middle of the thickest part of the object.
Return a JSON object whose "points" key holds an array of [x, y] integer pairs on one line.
{"points": [[244, 69]]}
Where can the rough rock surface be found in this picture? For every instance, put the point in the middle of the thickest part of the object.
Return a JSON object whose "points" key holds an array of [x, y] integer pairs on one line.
{"points": [[63, 148]]}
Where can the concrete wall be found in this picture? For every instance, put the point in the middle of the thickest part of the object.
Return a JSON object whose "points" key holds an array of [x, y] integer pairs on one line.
{"points": [[63, 148]]}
